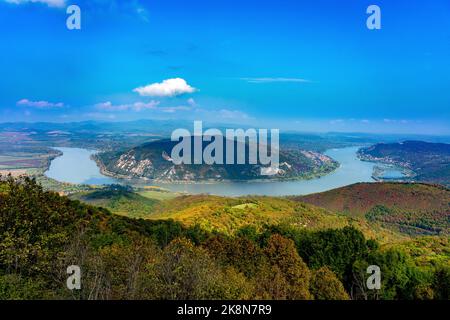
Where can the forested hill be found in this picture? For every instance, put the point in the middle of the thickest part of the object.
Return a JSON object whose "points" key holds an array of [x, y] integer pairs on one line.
{"points": [[41, 233], [430, 162], [412, 208], [152, 160]]}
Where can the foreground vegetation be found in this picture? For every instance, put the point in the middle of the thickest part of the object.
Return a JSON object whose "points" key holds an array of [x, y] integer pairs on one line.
{"points": [[41, 233]]}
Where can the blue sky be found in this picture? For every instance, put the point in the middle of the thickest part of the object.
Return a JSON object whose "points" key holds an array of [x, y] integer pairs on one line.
{"points": [[304, 65]]}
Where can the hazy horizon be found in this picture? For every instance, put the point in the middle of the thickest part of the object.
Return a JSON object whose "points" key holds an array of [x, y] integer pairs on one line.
{"points": [[299, 130]]}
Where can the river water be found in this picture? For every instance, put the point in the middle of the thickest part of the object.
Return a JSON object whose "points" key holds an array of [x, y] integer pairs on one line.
{"points": [[76, 166]]}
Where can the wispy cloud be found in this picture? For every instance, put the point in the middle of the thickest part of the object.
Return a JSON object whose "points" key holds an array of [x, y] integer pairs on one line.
{"points": [[402, 121], [39, 104], [192, 102], [336, 121], [142, 13], [175, 109], [137, 106], [108, 106], [167, 88], [50, 3], [272, 80]]}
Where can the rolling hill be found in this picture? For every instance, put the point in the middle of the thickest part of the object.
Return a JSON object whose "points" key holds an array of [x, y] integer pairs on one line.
{"points": [[227, 215], [230, 215], [119, 200], [411, 208], [387, 212]]}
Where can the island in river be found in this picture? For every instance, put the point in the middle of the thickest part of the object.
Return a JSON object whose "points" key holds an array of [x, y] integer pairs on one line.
{"points": [[152, 161], [77, 166]]}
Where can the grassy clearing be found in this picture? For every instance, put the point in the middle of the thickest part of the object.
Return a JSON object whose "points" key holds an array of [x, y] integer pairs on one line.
{"points": [[246, 206], [157, 194]]}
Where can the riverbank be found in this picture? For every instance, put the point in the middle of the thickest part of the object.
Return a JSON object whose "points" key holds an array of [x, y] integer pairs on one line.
{"points": [[78, 165], [386, 170], [314, 175]]}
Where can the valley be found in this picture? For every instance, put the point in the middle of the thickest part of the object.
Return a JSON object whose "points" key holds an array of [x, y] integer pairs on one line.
{"points": [[329, 216]]}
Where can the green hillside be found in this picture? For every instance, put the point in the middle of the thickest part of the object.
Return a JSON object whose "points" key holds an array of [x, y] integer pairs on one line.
{"points": [[119, 200], [229, 215]]}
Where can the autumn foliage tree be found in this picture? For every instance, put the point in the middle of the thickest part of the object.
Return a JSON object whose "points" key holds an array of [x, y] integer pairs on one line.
{"points": [[282, 253], [326, 286]]}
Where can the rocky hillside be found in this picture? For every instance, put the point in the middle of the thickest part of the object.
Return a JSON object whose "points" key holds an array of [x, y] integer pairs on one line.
{"points": [[152, 161]]}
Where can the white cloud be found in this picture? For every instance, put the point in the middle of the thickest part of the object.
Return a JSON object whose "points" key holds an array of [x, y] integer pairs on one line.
{"points": [[402, 121], [137, 106], [39, 104], [50, 3], [175, 109], [271, 80], [167, 88]]}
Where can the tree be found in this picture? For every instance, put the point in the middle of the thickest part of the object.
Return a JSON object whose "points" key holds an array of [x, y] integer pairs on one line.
{"points": [[441, 283], [424, 292], [336, 248], [241, 253], [282, 253], [187, 272], [326, 286], [400, 278], [270, 283]]}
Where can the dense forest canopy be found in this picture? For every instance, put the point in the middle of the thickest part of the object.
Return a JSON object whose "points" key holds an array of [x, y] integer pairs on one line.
{"points": [[41, 233]]}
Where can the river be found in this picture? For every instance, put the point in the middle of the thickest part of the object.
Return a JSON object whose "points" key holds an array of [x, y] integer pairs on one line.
{"points": [[76, 166]]}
